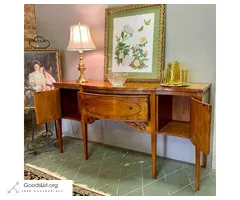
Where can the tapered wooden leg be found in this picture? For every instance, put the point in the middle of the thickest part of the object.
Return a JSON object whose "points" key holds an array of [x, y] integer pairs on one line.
{"points": [[85, 138], [204, 160], [154, 138], [153, 125], [197, 167], [165, 146], [59, 130]]}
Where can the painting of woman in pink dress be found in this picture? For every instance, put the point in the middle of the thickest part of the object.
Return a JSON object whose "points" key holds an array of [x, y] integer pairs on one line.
{"points": [[49, 80]]}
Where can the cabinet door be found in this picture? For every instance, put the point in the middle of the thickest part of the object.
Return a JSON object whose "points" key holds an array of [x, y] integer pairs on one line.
{"points": [[47, 106], [200, 124]]}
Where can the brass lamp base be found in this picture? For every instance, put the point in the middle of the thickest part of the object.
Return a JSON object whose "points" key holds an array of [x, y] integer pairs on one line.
{"points": [[81, 68], [81, 78]]}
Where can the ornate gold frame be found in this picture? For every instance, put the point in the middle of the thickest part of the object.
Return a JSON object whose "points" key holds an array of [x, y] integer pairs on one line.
{"points": [[160, 43]]}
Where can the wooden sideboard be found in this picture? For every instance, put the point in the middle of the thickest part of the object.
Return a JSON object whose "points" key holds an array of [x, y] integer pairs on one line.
{"points": [[147, 107]]}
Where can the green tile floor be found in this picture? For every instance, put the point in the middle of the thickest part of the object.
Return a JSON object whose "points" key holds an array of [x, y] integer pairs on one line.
{"points": [[123, 172]]}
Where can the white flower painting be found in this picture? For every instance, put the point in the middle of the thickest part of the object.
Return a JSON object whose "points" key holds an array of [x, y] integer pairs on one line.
{"points": [[132, 49]]}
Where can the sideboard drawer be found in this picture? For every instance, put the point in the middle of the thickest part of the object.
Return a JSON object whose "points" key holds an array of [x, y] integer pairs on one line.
{"points": [[115, 107]]}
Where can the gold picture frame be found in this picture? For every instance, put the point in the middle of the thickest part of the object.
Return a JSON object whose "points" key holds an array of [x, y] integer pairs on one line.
{"points": [[134, 42], [41, 69]]}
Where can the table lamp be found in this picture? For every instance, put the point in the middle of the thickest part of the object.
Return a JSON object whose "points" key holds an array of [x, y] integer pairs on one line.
{"points": [[80, 40]]}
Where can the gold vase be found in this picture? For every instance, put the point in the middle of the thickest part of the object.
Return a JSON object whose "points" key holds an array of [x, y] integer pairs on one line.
{"points": [[173, 73], [184, 76]]}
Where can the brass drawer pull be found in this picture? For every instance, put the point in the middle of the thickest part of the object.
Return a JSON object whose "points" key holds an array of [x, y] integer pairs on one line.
{"points": [[130, 107]]}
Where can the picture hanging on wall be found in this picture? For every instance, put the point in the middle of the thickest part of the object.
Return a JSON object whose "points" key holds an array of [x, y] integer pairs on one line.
{"points": [[41, 70], [134, 42]]}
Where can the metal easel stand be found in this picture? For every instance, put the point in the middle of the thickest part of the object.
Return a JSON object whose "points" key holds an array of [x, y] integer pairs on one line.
{"points": [[35, 146]]}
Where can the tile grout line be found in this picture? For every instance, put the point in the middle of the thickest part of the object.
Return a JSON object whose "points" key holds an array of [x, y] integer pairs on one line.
{"points": [[161, 177], [165, 178], [180, 189], [104, 170], [132, 191], [201, 177], [119, 176], [97, 174], [124, 176], [94, 162], [142, 179], [46, 159], [155, 180], [191, 183], [59, 166], [100, 167], [139, 187], [77, 170], [189, 180], [183, 167], [211, 175], [107, 184], [64, 161], [62, 164], [87, 176], [174, 171], [110, 156], [105, 152]]}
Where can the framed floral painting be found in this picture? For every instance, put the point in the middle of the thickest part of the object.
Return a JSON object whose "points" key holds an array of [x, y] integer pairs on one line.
{"points": [[41, 70], [134, 42]]}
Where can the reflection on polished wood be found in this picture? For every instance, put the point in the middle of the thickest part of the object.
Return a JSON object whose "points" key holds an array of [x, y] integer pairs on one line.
{"points": [[135, 88], [176, 128], [115, 107], [147, 107], [51, 100]]}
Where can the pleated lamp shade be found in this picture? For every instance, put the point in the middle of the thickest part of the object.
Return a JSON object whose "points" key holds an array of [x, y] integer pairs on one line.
{"points": [[80, 38]]}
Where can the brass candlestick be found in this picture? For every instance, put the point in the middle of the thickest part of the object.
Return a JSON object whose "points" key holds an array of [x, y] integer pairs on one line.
{"points": [[81, 68]]}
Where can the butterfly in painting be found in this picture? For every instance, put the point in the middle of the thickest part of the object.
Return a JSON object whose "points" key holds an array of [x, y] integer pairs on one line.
{"points": [[141, 29], [147, 22]]}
